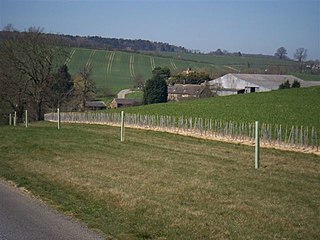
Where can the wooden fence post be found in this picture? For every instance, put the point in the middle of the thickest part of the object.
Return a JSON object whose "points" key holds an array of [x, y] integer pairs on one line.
{"points": [[10, 119], [257, 146]]}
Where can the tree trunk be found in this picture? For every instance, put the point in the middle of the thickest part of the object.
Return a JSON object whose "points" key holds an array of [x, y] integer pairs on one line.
{"points": [[40, 114], [20, 114]]}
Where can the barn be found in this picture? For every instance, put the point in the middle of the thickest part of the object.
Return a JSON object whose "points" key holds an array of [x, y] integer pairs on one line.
{"points": [[95, 105], [233, 83], [125, 102], [188, 91]]}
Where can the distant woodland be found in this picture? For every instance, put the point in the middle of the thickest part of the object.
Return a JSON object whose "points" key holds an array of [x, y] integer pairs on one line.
{"points": [[97, 42], [102, 43]]}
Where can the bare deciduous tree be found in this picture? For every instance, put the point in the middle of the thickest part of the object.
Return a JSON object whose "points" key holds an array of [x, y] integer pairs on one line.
{"points": [[281, 53], [300, 55], [34, 58], [84, 85]]}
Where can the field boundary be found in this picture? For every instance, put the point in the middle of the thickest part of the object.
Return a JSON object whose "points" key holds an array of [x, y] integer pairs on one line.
{"points": [[299, 139]]}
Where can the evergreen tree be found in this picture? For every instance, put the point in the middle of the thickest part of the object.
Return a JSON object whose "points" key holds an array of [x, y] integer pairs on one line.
{"points": [[295, 84], [285, 85], [156, 89], [61, 87]]}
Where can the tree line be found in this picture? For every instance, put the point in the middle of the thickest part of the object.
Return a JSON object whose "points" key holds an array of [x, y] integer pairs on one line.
{"points": [[103, 43], [33, 77]]}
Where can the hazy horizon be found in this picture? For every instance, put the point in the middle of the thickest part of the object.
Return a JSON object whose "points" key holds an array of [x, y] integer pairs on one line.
{"points": [[253, 27]]}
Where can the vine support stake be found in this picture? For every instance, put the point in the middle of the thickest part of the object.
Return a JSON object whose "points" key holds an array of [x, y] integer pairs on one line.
{"points": [[122, 137], [58, 116], [26, 118], [257, 146], [15, 119]]}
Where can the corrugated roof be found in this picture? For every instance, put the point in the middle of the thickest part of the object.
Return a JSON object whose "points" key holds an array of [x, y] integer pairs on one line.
{"points": [[271, 81]]}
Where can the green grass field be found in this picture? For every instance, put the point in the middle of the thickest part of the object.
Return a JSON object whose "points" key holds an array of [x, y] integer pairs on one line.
{"points": [[115, 70], [228, 60], [136, 95], [164, 186], [287, 107], [307, 76]]}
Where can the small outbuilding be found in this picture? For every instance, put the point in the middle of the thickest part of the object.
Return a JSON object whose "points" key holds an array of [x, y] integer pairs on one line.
{"points": [[95, 105], [178, 92], [125, 102], [233, 83]]}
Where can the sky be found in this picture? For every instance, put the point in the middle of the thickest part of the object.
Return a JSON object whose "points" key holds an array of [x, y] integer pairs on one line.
{"points": [[248, 26]]}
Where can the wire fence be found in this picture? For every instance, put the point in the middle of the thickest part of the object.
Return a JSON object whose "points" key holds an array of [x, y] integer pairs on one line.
{"points": [[299, 137]]}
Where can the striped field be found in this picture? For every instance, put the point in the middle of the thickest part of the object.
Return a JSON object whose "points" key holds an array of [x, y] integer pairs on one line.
{"points": [[117, 70]]}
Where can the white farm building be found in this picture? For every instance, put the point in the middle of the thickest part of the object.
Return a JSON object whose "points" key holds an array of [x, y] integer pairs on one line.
{"points": [[233, 83]]}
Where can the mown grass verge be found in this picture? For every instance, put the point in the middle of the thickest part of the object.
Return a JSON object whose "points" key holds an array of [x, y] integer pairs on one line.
{"points": [[164, 186]]}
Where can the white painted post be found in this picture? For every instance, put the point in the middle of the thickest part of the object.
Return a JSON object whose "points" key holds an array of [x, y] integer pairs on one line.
{"points": [[10, 119], [15, 119], [257, 147], [58, 114], [26, 118], [122, 138]]}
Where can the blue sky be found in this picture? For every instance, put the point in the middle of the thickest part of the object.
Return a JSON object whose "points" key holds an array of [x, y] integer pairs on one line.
{"points": [[251, 26]]}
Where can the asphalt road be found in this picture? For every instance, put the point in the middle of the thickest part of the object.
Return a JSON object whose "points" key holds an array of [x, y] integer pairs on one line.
{"points": [[23, 217]]}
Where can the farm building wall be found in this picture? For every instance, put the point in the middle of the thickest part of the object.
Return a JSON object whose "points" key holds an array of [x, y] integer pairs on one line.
{"points": [[230, 84], [188, 91], [125, 102]]}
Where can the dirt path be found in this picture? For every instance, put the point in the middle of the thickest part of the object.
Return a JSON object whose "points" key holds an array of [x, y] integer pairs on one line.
{"points": [[124, 92], [110, 61], [131, 66], [90, 58], [173, 65], [232, 68], [152, 63]]}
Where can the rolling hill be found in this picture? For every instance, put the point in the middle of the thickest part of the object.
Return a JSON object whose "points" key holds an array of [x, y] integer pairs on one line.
{"points": [[117, 70]]}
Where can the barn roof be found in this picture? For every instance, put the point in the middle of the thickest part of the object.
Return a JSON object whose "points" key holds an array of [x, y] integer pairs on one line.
{"points": [[127, 101], [189, 89], [270, 81], [95, 104]]}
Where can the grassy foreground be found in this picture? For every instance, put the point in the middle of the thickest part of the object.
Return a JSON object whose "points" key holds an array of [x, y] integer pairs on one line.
{"points": [[163, 186]]}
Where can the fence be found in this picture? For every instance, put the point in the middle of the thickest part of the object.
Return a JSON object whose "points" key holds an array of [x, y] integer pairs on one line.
{"points": [[299, 137]]}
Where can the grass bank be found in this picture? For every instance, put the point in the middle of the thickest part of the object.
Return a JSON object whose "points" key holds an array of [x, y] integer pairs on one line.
{"points": [[164, 186], [287, 107], [135, 95]]}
